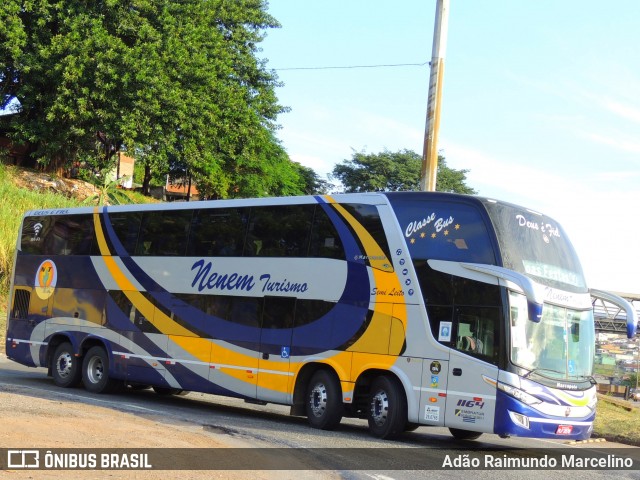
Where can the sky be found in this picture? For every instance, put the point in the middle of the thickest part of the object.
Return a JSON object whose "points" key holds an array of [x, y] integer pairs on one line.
{"points": [[541, 103]]}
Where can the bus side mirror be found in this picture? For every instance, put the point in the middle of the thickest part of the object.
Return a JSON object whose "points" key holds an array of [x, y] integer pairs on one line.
{"points": [[623, 306], [535, 311]]}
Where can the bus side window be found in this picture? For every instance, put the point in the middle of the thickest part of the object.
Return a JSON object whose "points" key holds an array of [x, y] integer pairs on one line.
{"points": [[477, 331], [438, 315], [369, 218], [281, 231], [325, 241], [34, 234], [278, 312], [79, 234], [218, 232], [246, 311], [164, 233], [126, 227]]}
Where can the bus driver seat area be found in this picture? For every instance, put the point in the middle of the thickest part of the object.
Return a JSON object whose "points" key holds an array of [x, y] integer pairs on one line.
{"points": [[471, 344]]}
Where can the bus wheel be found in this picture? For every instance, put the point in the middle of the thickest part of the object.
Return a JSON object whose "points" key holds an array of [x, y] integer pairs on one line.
{"points": [[167, 391], [95, 371], [460, 434], [65, 367], [387, 408], [324, 402]]}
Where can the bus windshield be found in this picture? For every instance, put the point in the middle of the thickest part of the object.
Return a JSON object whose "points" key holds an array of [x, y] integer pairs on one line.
{"points": [[536, 246], [560, 346]]}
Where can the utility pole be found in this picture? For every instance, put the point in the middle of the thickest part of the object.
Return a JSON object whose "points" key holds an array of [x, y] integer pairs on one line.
{"points": [[430, 150]]}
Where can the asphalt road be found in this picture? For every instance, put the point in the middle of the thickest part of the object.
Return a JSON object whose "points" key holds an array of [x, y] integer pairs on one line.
{"points": [[239, 425]]}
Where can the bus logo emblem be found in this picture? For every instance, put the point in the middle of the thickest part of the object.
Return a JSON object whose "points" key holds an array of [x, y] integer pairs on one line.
{"points": [[46, 279]]}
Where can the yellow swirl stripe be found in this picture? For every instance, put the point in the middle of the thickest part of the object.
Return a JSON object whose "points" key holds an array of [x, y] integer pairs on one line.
{"points": [[376, 338]]}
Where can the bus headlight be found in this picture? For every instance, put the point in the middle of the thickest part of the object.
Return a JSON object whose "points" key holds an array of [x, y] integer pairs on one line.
{"points": [[521, 395]]}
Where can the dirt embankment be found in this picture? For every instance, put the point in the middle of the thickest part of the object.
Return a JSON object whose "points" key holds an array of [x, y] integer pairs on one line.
{"points": [[42, 182]]}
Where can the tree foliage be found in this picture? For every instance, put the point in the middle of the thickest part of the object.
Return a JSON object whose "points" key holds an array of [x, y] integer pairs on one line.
{"points": [[312, 183], [170, 79], [395, 171]]}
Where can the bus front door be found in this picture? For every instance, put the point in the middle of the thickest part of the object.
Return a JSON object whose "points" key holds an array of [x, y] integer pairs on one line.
{"points": [[472, 376]]}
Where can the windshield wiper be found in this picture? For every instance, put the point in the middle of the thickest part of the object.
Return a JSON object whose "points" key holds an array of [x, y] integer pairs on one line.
{"points": [[563, 376], [538, 370]]}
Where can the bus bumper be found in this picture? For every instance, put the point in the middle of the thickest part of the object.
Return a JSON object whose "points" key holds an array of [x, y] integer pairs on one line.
{"points": [[514, 418]]}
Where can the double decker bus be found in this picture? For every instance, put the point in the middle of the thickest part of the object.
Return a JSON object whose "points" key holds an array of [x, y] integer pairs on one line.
{"points": [[404, 309]]}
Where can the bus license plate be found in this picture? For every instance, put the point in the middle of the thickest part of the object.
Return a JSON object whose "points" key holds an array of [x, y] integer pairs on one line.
{"points": [[564, 430]]}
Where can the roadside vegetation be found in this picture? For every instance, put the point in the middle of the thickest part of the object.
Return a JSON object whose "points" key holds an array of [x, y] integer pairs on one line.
{"points": [[617, 421]]}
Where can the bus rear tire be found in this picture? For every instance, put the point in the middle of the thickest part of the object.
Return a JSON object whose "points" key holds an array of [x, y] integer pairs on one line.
{"points": [[65, 367], [324, 401], [95, 371], [387, 414], [460, 434]]}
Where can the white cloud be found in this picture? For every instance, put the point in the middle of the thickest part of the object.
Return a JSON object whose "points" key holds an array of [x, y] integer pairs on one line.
{"points": [[622, 110], [614, 140]]}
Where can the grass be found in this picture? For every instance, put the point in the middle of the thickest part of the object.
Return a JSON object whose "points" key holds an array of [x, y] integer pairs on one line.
{"points": [[617, 422]]}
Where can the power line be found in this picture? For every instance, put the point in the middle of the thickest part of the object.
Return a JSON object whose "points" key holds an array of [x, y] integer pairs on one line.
{"points": [[355, 66]]}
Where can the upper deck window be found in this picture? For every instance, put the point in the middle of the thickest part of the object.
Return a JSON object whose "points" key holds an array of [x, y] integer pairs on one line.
{"points": [[443, 230], [58, 235]]}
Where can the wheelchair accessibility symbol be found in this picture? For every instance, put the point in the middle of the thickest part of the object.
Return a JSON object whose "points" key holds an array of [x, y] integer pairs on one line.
{"points": [[285, 352]]}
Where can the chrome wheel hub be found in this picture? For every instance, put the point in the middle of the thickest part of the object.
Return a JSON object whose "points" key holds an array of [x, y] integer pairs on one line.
{"points": [[318, 400], [379, 408]]}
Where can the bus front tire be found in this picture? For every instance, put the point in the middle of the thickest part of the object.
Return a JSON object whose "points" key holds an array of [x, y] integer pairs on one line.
{"points": [[65, 367], [460, 434], [387, 414], [95, 371], [324, 401]]}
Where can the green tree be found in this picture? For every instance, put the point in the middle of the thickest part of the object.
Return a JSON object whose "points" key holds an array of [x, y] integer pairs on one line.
{"points": [[395, 171], [172, 79], [313, 184]]}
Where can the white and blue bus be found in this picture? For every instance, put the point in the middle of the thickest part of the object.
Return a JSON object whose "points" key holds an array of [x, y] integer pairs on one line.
{"points": [[404, 309]]}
